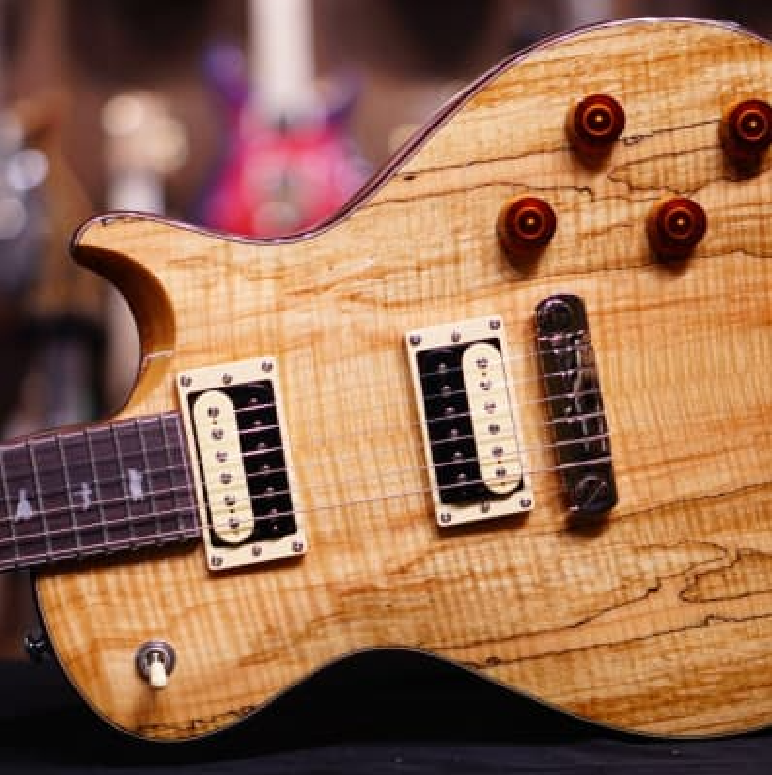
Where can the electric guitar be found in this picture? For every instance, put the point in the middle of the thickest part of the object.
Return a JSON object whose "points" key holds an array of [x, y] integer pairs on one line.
{"points": [[511, 408]]}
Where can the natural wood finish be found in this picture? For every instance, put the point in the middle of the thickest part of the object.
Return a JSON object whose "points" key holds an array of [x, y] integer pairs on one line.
{"points": [[658, 620]]}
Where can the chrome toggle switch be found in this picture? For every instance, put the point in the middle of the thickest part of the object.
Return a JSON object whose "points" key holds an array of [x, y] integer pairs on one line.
{"points": [[155, 662]]}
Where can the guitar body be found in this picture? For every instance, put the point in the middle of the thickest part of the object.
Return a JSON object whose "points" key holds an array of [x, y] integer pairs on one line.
{"points": [[655, 618]]}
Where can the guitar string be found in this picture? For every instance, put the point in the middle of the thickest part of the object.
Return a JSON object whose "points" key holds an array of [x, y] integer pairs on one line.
{"points": [[504, 440], [387, 474], [410, 425], [349, 483], [185, 532], [70, 509], [527, 381], [84, 551]]}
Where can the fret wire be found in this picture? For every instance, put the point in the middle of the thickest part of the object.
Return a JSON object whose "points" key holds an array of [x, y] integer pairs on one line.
{"points": [[39, 490], [170, 469], [98, 489], [8, 505], [68, 485], [126, 490], [177, 510], [149, 468]]}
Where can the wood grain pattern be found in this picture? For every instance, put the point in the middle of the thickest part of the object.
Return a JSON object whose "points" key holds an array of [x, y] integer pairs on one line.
{"points": [[660, 620]]}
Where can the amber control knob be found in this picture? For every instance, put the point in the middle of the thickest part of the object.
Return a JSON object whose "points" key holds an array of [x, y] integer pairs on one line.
{"points": [[675, 228], [746, 131], [525, 226], [594, 124]]}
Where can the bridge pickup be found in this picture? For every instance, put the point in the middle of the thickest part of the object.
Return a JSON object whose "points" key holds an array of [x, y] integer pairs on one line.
{"points": [[470, 430], [575, 405], [244, 477]]}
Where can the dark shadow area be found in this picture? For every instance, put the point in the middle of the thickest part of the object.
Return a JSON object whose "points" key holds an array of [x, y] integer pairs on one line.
{"points": [[377, 712]]}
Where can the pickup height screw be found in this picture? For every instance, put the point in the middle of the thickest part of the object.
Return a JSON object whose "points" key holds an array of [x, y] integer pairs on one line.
{"points": [[227, 379], [297, 547], [215, 561], [267, 367], [257, 551], [445, 518], [415, 340], [185, 381], [455, 336]]}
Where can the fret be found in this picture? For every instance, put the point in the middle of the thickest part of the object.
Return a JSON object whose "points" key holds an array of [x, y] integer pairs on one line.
{"points": [[140, 505], [170, 518], [112, 497], [9, 545], [22, 505], [179, 474], [70, 497], [49, 472], [87, 520]]}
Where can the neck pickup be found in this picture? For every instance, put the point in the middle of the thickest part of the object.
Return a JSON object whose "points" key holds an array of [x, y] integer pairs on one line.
{"points": [[575, 405]]}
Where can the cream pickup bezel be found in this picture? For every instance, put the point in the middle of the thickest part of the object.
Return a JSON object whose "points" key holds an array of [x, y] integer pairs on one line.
{"points": [[223, 376], [471, 332]]}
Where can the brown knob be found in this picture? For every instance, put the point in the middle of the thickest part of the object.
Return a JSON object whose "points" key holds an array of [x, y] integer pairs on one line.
{"points": [[675, 228], [746, 131], [594, 124], [525, 226]]}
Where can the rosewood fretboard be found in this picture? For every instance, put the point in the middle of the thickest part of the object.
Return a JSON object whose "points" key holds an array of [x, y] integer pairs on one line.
{"points": [[121, 485]]}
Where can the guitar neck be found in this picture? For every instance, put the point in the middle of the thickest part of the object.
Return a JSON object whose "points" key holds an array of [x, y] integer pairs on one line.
{"points": [[93, 491]]}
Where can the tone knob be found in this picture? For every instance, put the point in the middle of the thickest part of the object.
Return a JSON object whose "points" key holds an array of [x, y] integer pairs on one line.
{"points": [[525, 227], [675, 228], [746, 131], [594, 124], [155, 661]]}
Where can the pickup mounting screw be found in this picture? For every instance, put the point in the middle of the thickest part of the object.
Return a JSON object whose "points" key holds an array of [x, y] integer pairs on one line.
{"points": [[267, 367], [675, 227], [185, 381], [445, 518], [415, 340], [227, 379], [297, 547], [215, 561]]}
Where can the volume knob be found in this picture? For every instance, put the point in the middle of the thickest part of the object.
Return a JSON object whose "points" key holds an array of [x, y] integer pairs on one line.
{"points": [[525, 227], [675, 227], [746, 132], [594, 124]]}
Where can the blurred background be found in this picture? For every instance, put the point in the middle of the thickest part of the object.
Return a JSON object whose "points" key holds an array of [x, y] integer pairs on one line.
{"points": [[259, 117]]}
